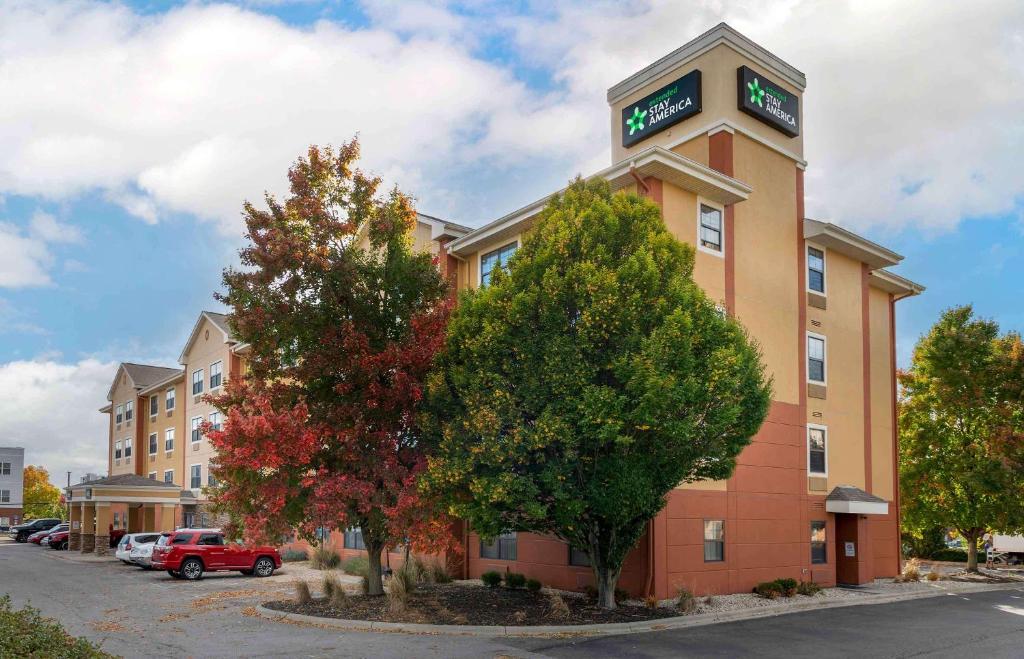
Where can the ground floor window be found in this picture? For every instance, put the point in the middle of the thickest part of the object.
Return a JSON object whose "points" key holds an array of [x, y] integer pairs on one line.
{"points": [[714, 540], [354, 538], [502, 548], [578, 557], [819, 548]]}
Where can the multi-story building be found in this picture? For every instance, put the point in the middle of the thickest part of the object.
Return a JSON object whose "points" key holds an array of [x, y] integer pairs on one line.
{"points": [[12, 485]]}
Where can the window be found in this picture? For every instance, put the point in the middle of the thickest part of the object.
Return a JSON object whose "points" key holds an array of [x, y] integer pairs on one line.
{"points": [[117, 450], [5, 496], [495, 259], [215, 375], [116, 524], [354, 538], [211, 480], [197, 382], [5, 468], [196, 477], [816, 463], [128, 447], [154, 405], [502, 548], [169, 476], [129, 411], [169, 439], [819, 549], [215, 420], [714, 540], [169, 399], [182, 539], [152, 475], [815, 358], [196, 434], [578, 557], [815, 270], [119, 417], [710, 238], [152, 443], [210, 539]]}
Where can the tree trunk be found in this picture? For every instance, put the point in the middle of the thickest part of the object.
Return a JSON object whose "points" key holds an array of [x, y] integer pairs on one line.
{"points": [[374, 582], [607, 579], [972, 552]]}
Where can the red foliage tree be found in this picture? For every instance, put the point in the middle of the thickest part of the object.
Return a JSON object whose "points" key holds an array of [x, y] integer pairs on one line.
{"points": [[342, 319]]}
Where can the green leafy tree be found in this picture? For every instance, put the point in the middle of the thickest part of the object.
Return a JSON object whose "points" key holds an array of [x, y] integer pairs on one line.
{"points": [[576, 391], [41, 497], [961, 417]]}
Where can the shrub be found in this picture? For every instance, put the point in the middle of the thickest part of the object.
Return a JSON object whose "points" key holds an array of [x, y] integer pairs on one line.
{"points": [[952, 555], [330, 585], [432, 570], [491, 579], [685, 601], [26, 633], [515, 580], [400, 587], [933, 576], [808, 588], [533, 585], [768, 589], [302, 594], [325, 558], [292, 555], [787, 586], [912, 570], [651, 602], [357, 566]]}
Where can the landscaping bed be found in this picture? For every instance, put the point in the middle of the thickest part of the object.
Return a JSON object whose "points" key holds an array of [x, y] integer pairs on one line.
{"points": [[474, 604]]}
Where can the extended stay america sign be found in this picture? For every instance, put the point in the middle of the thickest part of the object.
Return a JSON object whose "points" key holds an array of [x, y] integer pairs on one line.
{"points": [[658, 110], [766, 101]]}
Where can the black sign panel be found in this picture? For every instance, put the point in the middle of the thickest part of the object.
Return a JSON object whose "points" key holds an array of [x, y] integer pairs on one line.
{"points": [[666, 107], [768, 102]]}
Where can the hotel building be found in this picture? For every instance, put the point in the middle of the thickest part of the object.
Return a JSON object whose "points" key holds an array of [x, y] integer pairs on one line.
{"points": [[711, 133]]}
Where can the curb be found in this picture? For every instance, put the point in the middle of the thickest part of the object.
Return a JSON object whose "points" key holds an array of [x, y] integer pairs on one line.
{"points": [[678, 622]]}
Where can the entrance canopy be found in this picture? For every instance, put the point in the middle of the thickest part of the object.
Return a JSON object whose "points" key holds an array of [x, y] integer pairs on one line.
{"points": [[850, 499], [128, 488]]}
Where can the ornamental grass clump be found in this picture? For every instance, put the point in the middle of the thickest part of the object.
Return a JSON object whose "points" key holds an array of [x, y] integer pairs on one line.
{"points": [[808, 588], [294, 555], [302, 594], [325, 558], [685, 601], [400, 588]]}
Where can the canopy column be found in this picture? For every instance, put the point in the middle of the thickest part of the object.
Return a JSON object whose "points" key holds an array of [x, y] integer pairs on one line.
{"points": [[88, 544], [75, 527], [104, 522]]}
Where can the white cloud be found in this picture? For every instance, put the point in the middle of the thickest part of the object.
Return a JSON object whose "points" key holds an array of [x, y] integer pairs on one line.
{"points": [[50, 409], [45, 227], [25, 260]]}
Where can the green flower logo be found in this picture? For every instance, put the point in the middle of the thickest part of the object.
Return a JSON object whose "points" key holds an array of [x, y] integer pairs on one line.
{"points": [[636, 122], [756, 93]]}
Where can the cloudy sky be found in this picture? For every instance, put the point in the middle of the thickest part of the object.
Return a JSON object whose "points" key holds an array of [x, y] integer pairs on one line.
{"points": [[130, 134]]}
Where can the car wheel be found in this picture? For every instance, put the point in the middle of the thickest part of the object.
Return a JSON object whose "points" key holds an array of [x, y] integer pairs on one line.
{"points": [[192, 569], [264, 567], [174, 574]]}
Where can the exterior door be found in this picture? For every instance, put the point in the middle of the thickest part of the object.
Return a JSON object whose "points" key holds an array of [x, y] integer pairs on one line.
{"points": [[851, 549]]}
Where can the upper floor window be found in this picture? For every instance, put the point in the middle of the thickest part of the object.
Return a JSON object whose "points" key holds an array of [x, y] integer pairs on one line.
{"points": [[197, 382], [710, 238], [5, 468], [154, 405], [169, 398], [5, 496], [502, 548], [119, 416], [152, 443], [495, 259], [215, 420], [815, 358], [128, 447], [714, 540], [196, 434], [196, 477], [211, 480], [129, 411], [819, 548], [815, 270], [169, 439], [817, 464], [117, 450], [169, 476], [215, 375]]}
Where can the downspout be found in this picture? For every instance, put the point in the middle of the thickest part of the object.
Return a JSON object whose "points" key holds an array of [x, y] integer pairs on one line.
{"points": [[639, 180]]}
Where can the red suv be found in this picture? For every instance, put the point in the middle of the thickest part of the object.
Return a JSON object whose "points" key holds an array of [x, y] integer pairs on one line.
{"points": [[186, 554]]}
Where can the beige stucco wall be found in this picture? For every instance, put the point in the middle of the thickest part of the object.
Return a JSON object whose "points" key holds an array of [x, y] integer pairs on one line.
{"points": [[163, 460], [719, 102], [124, 391], [681, 218], [881, 396], [209, 347]]}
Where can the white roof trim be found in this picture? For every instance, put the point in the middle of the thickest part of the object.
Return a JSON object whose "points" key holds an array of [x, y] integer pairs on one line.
{"points": [[846, 242], [654, 161], [195, 332], [890, 282], [858, 507], [720, 34]]}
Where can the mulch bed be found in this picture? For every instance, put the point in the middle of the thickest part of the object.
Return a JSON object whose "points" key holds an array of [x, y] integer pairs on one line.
{"points": [[468, 604]]}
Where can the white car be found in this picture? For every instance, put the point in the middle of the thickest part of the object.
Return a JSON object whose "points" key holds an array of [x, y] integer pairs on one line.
{"points": [[142, 553], [128, 542]]}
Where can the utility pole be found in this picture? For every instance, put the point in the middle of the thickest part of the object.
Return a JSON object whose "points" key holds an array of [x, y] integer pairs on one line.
{"points": [[67, 497]]}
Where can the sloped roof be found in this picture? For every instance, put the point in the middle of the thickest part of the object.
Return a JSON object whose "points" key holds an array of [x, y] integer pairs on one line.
{"points": [[851, 493], [219, 320], [142, 376], [853, 500]]}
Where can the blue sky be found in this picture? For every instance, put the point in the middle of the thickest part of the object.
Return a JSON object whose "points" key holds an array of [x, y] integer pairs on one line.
{"points": [[132, 133]]}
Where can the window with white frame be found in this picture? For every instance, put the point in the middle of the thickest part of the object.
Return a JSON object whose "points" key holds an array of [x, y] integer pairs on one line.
{"points": [[128, 447], [5, 496], [817, 455], [152, 475], [5, 468], [710, 229], [169, 476], [196, 432], [353, 538], [215, 420], [502, 548], [119, 416], [816, 358], [169, 399], [714, 540], [169, 439], [154, 405], [197, 382], [815, 270], [495, 259], [196, 477], [117, 450], [211, 480], [152, 443], [129, 411], [215, 375]]}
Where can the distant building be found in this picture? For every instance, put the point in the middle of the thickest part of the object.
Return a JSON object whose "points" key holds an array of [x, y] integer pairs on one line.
{"points": [[90, 477], [12, 485]]}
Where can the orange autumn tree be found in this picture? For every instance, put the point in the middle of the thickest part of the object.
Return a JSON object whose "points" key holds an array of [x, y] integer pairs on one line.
{"points": [[342, 319]]}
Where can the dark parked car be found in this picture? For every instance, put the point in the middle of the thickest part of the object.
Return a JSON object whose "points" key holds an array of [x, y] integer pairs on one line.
{"points": [[187, 554], [21, 532]]}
